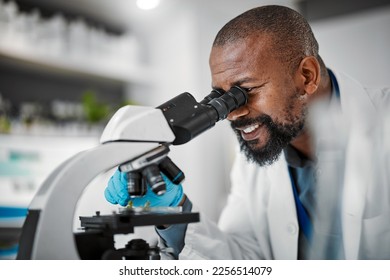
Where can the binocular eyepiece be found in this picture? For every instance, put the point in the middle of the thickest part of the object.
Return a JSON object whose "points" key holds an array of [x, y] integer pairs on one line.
{"points": [[226, 102], [188, 118]]}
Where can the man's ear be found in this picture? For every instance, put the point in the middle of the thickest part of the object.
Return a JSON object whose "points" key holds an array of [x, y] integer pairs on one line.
{"points": [[309, 74]]}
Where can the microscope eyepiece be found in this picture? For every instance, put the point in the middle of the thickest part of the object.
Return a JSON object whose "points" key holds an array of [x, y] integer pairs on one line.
{"points": [[213, 94], [188, 118], [228, 101]]}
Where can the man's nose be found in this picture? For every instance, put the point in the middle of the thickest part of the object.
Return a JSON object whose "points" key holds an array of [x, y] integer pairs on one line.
{"points": [[239, 112]]}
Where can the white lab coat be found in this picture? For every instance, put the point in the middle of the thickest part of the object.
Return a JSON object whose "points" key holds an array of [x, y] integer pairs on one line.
{"points": [[260, 220]]}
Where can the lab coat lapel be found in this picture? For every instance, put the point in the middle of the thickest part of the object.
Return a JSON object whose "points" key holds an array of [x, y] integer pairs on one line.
{"points": [[356, 108], [283, 221]]}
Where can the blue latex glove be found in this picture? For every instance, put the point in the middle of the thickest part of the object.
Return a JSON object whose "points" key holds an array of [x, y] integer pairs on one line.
{"points": [[116, 193]]}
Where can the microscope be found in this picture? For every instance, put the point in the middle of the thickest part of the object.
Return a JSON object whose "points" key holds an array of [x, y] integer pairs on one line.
{"points": [[136, 140]]}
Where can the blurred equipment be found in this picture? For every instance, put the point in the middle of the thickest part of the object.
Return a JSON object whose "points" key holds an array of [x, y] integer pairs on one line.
{"points": [[135, 139], [352, 187]]}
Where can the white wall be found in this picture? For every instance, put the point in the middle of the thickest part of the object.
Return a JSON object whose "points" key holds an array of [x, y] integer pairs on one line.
{"points": [[357, 44]]}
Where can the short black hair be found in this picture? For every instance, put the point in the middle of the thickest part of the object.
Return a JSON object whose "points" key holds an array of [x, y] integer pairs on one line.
{"points": [[291, 35]]}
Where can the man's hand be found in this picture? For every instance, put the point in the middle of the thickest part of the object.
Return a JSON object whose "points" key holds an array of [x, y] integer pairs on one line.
{"points": [[116, 193]]}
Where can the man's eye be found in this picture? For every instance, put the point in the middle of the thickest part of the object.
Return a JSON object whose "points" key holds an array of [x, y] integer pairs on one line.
{"points": [[249, 90], [257, 89]]}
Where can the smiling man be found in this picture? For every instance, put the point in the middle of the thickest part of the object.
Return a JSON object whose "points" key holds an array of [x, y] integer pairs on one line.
{"points": [[276, 109], [272, 53], [272, 209]]}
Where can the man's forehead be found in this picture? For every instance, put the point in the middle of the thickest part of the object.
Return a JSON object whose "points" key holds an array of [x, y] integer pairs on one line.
{"points": [[239, 60], [227, 57], [249, 46]]}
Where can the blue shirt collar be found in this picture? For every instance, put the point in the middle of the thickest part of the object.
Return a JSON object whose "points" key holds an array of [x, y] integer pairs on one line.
{"points": [[335, 84]]}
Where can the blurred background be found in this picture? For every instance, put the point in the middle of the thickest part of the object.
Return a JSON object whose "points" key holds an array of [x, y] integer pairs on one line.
{"points": [[66, 66]]}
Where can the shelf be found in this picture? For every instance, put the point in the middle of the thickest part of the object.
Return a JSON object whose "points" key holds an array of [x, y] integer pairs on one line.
{"points": [[89, 68]]}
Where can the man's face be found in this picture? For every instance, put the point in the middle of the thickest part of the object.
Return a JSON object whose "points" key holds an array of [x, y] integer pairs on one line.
{"points": [[276, 108]]}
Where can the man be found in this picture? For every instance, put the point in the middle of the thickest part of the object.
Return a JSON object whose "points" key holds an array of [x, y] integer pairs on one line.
{"points": [[279, 207]]}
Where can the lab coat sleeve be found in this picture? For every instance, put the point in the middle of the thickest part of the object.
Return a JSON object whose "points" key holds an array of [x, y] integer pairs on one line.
{"points": [[233, 237]]}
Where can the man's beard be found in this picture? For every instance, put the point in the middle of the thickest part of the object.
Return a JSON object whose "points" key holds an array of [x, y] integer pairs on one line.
{"points": [[280, 135]]}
